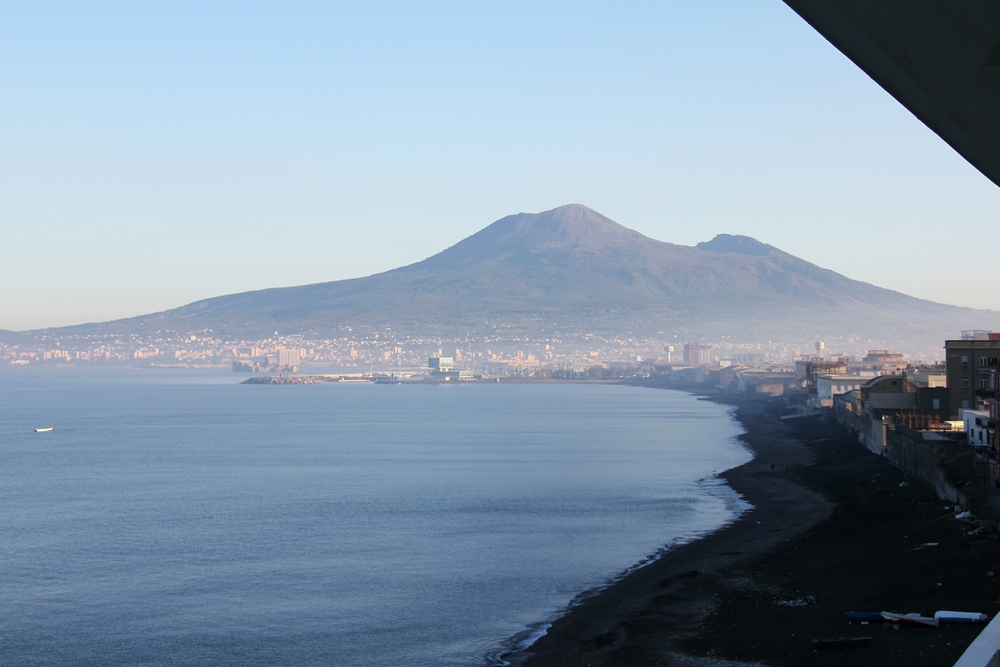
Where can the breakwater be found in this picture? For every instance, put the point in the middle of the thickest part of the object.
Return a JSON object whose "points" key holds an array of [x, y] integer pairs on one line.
{"points": [[292, 379]]}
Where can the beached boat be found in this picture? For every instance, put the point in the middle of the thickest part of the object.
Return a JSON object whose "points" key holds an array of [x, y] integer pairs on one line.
{"points": [[43, 430], [960, 617], [841, 642], [909, 620]]}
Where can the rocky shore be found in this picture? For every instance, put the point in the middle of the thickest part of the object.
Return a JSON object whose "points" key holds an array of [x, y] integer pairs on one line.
{"points": [[834, 528]]}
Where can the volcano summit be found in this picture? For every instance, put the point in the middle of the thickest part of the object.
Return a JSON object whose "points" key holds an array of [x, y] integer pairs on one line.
{"points": [[572, 270]]}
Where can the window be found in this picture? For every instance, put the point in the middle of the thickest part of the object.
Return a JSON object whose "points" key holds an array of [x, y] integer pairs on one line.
{"points": [[965, 404], [982, 362], [965, 383], [965, 360], [984, 384], [936, 404]]}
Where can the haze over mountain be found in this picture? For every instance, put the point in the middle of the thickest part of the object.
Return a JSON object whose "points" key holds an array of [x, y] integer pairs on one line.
{"points": [[572, 269]]}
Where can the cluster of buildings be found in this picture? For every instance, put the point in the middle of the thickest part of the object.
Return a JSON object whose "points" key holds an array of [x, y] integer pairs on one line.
{"points": [[942, 430], [935, 421], [588, 356]]}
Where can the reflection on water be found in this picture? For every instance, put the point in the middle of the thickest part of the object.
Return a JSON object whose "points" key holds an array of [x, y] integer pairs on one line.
{"points": [[185, 519]]}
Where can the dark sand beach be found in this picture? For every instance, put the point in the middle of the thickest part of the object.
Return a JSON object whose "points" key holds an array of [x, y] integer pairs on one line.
{"points": [[830, 520]]}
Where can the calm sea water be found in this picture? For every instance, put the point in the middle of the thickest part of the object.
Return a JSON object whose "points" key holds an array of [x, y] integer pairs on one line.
{"points": [[179, 518]]}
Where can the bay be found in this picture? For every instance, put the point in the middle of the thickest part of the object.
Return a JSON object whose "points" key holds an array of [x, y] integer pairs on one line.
{"points": [[179, 518]]}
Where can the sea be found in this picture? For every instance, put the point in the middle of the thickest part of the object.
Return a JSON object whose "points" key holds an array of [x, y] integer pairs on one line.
{"points": [[177, 517]]}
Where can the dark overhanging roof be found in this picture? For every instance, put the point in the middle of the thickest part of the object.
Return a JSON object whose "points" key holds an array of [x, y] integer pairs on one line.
{"points": [[939, 58]]}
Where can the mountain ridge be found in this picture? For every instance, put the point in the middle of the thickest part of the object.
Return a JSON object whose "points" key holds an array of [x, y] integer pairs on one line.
{"points": [[573, 268]]}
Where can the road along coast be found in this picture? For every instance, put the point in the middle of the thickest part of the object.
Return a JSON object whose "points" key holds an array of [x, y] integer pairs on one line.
{"points": [[834, 528]]}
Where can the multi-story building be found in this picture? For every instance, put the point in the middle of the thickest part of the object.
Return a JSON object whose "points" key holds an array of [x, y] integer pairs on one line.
{"points": [[976, 425], [971, 365], [288, 357], [809, 370], [828, 386], [885, 401], [697, 354], [443, 368], [442, 364]]}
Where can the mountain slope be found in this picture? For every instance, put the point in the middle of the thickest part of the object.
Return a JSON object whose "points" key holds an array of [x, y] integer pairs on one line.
{"points": [[575, 267]]}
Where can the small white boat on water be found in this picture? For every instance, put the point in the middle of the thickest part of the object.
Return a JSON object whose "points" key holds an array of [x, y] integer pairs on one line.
{"points": [[43, 430]]}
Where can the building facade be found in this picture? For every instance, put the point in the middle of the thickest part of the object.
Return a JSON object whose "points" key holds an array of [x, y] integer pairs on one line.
{"points": [[971, 366], [828, 386], [697, 354]]}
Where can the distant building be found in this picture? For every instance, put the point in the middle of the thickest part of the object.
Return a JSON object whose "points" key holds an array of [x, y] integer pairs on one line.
{"points": [[828, 386], [808, 371], [288, 357], [443, 368], [748, 359], [883, 357], [869, 409], [929, 377], [697, 354], [441, 363], [879, 404], [758, 383]]}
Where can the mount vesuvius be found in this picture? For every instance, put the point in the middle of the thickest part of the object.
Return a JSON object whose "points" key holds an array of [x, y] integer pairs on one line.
{"points": [[572, 269]]}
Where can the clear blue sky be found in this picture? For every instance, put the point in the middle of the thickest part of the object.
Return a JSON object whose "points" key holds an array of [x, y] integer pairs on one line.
{"points": [[152, 154]]}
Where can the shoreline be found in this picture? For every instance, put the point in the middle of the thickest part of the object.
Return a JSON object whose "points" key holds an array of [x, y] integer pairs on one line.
{"points": [[830, 520]]}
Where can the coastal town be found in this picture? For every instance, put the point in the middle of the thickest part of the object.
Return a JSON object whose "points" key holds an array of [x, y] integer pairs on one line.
{"points": [[500, 334], [934, 418], [874, 508], [902, 450], [588, 356]]}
